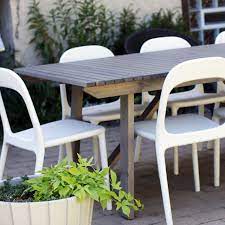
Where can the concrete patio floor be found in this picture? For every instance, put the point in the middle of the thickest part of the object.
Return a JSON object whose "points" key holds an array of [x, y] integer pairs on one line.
{"points": [[205, 207]]}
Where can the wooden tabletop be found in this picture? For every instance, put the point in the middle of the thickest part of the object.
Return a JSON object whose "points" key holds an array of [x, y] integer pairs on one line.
{"points": [[120, 69]]}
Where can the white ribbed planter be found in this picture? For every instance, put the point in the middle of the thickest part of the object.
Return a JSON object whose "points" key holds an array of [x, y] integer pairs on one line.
{"points": [[60, 212]]}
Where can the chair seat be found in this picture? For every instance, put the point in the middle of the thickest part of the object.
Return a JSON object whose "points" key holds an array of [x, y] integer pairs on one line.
{"points": [[62, 131], [175, 124], [107, 112], [220, 112], [190, 98]]}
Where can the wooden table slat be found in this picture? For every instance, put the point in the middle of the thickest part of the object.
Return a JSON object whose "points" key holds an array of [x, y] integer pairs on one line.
{"points": [[121, 69]]}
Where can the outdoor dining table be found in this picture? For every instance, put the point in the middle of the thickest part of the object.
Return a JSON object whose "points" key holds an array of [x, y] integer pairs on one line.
{"points": [[120, 76]]}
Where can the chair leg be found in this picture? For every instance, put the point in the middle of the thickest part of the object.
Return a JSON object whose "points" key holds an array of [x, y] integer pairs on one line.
{"points": [[69, 152], [61, 153], [137, 152], [195, 166], [164, 185], [104, 162], [96, 149], [39, 161], [201, 111], [4, 153], [217, 163], [96, 152], [176, 160], [210, 144], [216, 119], [175, 151]]}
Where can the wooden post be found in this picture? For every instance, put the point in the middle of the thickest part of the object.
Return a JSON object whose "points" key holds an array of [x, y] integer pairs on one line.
{"points": [[76, 113], [127, 143], [185, 12]]}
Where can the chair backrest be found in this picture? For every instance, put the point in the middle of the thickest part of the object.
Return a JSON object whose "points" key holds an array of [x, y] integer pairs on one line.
{"points": [[220, 39], [78, 54], [9, 79], [192, 70], [165, 43], [134, 42], [85, 53]]}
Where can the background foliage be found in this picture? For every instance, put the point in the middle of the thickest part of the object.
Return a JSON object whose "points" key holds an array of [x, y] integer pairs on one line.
{"points": [[90, 22], [71, 23]]}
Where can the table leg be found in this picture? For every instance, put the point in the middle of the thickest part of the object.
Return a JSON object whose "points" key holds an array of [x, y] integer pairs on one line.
{"points": [[151, 108], [147, 114], [127, 143], [76, 113]]}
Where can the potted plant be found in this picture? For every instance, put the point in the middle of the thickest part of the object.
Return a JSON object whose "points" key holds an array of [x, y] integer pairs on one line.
{"points": [[61, 195]]}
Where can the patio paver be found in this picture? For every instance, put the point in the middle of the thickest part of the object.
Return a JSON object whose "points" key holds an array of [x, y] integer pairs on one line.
{"points": [[189, 208]]}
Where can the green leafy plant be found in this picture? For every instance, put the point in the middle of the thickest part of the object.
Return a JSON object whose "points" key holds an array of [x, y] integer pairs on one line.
{"points": [[126, 24], [86, 22], [81, 180], [71, 23], [93, 24], [65, 180], [41, 37]]}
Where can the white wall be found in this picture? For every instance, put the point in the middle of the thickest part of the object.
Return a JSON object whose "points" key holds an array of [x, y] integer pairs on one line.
{"points": [[145, 6], [25, 53]]}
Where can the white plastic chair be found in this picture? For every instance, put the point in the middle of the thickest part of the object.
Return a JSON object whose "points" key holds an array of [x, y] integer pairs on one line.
{"points": [[40, 137], [220, 39], [184, 129], [193, 97], [219, 112], [98, 113]]}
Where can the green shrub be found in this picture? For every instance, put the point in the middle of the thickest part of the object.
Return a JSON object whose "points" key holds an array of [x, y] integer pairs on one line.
{"points": [[126, 24], [86, 22], [72, 23], [94, 24], [167, 19], [46, 45]]}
